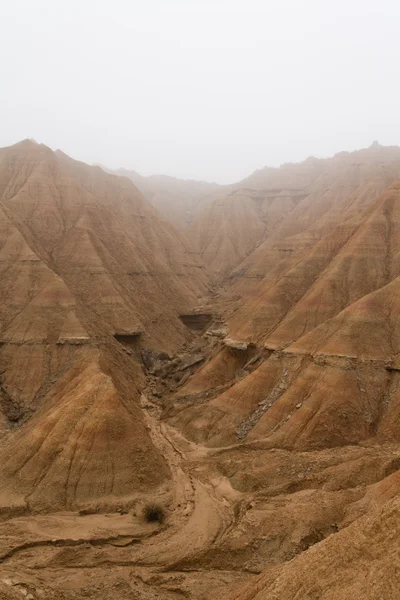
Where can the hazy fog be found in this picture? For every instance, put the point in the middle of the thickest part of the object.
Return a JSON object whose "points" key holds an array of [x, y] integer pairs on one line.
{"points": [[208, 89]]}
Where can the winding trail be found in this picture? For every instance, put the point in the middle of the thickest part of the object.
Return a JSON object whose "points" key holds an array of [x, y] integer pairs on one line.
{"points": [[200, 517]]}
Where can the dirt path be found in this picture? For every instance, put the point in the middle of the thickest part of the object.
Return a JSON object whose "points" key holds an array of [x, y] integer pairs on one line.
{"points": [[67, 551], [200, 514]]}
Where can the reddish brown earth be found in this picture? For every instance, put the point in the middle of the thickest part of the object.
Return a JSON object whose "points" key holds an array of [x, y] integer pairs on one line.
{"points": [[260, 412], [83, 257]]}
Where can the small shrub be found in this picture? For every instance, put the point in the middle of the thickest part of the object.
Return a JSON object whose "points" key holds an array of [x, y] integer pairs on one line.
{"points": [[153, 513]]}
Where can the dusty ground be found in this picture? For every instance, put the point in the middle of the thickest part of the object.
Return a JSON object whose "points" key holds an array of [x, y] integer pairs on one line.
{"points": [[119, 555], [230, 514], [236, 515]]}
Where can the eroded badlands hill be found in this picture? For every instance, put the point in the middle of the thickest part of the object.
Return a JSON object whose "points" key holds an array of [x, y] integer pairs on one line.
{"points": [[309, 363], [264, 421], [361, 560], [325, 327], [83, 258], [276, 207]]}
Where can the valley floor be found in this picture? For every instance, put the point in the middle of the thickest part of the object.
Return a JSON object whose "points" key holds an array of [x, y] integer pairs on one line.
{"points": [[231, 513]]}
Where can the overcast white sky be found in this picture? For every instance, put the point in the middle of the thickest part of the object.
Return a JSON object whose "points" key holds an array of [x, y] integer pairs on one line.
{"points": [[207, 89]]}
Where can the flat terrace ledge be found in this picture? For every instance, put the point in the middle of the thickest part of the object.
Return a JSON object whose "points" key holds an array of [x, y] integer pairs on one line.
{"points": [[237, 344], [76, 340], [129, 339], [197, 321]]}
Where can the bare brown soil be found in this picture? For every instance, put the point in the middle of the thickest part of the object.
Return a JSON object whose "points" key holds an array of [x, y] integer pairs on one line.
{"points": [[260, 413]]}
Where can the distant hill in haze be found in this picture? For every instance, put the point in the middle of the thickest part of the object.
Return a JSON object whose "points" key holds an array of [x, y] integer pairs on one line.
{"points": [[177, 200], [276, 202]]}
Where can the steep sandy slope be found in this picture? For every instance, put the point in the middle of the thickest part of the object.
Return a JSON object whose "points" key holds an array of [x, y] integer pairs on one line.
{"points": [[296, 283], [276, 208], [177, 200], [100, 235], [360, 561], [326, 333], [308, 372], [228, 229], [83, 258], [86, 443]]}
